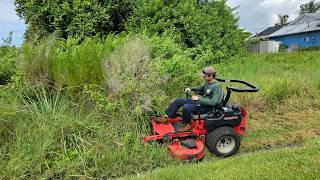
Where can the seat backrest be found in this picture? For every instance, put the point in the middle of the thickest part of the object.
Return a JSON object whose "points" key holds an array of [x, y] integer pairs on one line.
{"points": [[221, 100], [216, 111]]}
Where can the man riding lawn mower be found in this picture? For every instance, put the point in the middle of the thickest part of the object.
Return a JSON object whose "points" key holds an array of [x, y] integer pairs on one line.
{"points": [[206, 120], [212, 95]]}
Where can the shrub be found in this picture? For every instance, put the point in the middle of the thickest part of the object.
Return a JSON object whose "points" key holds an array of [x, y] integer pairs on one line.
{"points": [[60, 63], [73, 18], [37, 60], [209, 29], [8, 64], [130, 73], [79, 63]]}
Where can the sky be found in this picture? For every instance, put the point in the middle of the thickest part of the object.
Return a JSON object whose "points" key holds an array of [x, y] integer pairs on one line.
{"points": [[255, 15], [9, 21]]}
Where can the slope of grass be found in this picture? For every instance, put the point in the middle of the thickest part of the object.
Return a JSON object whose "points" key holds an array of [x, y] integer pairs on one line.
{"points": [[287, 163]]}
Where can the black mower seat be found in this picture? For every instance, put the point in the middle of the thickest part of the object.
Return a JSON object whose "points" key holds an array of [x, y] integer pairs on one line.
{"points": [[196, 116]]}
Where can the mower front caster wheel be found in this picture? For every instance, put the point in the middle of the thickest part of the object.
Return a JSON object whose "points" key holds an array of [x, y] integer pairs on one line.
{"points": [[223, 141]]}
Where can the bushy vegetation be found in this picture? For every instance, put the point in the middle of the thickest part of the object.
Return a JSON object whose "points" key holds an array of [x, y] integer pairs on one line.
{"points": [[60, 118], [70, 116], [79, 18], [7, 63], [209, 30], [53, 137]]}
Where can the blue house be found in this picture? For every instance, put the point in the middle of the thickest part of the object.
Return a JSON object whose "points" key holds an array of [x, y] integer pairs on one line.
{"points": [[302, 32]]}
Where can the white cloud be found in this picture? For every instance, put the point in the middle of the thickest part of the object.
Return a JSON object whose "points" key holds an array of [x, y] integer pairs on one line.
{"points": [[257, 15]]}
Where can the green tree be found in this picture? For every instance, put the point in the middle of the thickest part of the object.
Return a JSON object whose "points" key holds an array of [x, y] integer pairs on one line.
{"points": [[78, 18], [283, 19], [209, 28], [7, 41], [310, 7]]}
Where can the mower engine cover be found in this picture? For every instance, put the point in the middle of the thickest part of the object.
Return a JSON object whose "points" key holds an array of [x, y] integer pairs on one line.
{"points": [[230, 115]]}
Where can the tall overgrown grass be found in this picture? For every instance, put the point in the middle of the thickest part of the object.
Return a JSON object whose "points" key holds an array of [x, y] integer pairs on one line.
{"points": [[62, 133], [282, 78], [80, 108], [63, 63], [53, 137]]}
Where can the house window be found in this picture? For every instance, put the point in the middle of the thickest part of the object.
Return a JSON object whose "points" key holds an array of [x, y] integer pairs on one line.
{"points": [[306, 39]]}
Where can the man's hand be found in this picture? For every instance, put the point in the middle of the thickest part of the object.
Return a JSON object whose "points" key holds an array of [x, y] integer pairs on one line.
{"points": [[195, 98], [187, 90]]}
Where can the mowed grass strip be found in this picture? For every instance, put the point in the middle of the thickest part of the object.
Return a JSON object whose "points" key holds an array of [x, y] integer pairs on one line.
{"points": [[285, 163], [268, 130]]}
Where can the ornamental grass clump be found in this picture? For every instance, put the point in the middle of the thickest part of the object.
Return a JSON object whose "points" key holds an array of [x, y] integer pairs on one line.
{"points": [[132, 77]]}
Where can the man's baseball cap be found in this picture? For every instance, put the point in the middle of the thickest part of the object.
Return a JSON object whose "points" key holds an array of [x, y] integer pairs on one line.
{"points": [[209, 71]]}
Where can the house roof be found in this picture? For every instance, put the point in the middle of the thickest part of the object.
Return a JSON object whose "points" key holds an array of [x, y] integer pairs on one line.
{"points": [[263, 34], [304, 23], [269, 30]]}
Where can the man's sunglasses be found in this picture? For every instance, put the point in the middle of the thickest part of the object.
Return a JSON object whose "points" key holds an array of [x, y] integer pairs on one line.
{"points": [[208, 74]]}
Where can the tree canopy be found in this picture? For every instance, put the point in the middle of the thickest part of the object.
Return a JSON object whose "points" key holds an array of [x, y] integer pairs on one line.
{"points": [[310, 7], [209, 28], [282, 19], [73, 17]]}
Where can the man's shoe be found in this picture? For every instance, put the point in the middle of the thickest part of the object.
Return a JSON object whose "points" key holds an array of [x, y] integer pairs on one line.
{"points": [[161, 119], [187, 127]]}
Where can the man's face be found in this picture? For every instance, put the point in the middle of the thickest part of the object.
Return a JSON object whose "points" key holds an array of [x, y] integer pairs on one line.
{"points": [[206, 77]]}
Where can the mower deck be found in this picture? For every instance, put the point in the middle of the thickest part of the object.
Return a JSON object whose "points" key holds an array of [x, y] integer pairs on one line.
{"points": [[167, 131], [181, 152], [187, 145]]}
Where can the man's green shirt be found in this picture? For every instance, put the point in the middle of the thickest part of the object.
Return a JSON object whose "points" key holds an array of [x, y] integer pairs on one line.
{"points": [[212, 93]]}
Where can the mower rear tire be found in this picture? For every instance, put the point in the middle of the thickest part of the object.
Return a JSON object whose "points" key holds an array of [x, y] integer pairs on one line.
{"points": [[223, 141]]}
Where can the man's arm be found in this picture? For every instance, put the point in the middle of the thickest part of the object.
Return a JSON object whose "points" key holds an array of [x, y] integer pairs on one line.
{"points": [[214, 100], [199, 90]]}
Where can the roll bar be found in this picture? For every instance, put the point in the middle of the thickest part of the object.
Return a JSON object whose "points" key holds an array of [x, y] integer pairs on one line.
{"points": [[251, 88]]}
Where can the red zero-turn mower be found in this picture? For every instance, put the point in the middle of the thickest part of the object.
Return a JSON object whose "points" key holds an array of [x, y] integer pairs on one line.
{"points": [[220, 130]]}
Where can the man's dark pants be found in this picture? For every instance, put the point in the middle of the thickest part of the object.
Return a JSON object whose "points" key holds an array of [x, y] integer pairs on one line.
{"points": [[189, 107]]}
